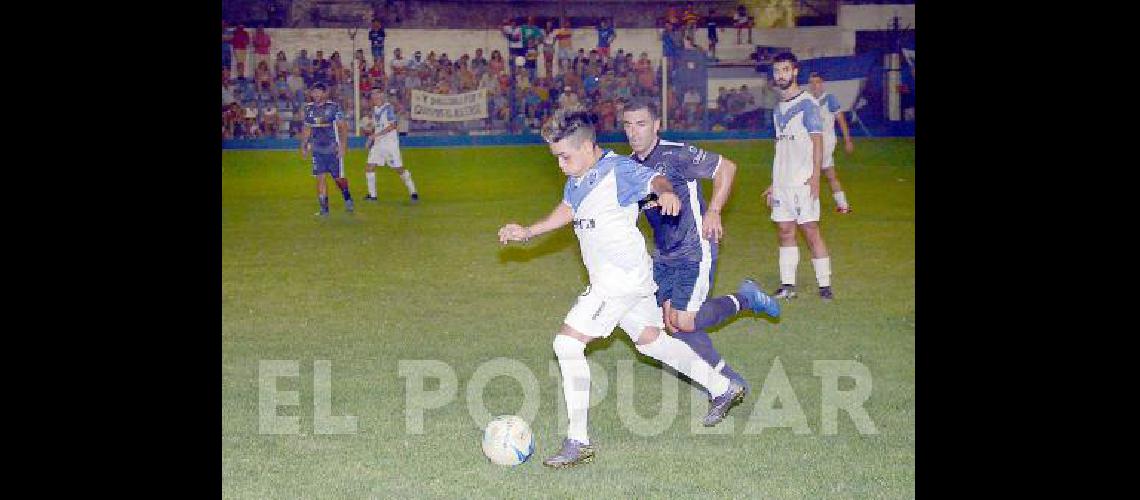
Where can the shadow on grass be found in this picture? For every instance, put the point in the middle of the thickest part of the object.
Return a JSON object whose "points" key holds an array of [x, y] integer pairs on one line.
{"points": [[527, 252]]}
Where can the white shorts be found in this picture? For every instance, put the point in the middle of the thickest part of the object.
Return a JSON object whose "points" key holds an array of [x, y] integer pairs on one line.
{"points": [[385, 154], [596, 316], [828, 151], [794, 203]]}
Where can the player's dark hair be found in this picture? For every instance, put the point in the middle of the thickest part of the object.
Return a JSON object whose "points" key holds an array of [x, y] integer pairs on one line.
{"points": [[643, 103], [786, 57], [571, 121], [815, 74]]}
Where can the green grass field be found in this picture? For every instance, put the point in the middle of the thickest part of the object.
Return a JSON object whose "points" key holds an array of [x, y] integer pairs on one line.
{"points": [[430, 282]]}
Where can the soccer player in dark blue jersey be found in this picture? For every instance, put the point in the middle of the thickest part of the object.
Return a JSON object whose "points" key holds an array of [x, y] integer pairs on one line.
{"points": [[325, 135], [684, 260]]}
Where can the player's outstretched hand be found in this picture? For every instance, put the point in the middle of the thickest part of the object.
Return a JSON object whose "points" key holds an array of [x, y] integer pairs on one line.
{"points": [[512, 232], [849, 146], [713, 229], [813, 181], [670, 203], [305, 152], [768, 196]]}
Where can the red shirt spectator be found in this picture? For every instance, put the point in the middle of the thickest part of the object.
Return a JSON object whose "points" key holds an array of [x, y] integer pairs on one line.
{"points": [[261, 45], [241, 46]]}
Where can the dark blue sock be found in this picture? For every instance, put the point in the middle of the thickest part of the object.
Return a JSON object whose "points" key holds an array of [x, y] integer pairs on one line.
{"points": [[715, 311], [701, 344], [324, 200]]}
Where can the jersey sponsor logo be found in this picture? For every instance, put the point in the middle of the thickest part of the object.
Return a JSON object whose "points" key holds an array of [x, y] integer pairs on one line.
{"points": [[785, 137], [585, 223]]}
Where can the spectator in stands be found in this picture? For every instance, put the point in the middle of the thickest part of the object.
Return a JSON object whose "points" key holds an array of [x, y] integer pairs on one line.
{"points": [[672, 41], [296, 85], [742, 21], [227, 89], [229, 118], [623, 88], [250, 128], [479, 63], [269, 120], [467, 79], [261, 44], [262, 76], [246, 89], [281, 84], [547, 48], [227, 45], [413, 80], [417, 61], [376, 40], [241, 46], [488, 80], [689, 18], [710, 24], [303, 66], [568, 98], [573, 80], [399, 64], [619, 63], [645, 77], [443, 60], [564, 37], [496, 66], [321, 68], [336, 68], [376, 74], [606, 36], [281, 63], [581, 61], [747, 98], [513, 33], [692, 102], [284, 117]]}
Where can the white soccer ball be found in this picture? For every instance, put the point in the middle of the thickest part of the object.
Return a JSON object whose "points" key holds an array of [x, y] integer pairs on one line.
{"points": [[507, 440]]}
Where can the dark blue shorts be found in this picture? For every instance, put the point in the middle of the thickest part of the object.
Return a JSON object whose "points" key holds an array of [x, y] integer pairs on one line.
{"points": [[686, 284], [327, 163]]}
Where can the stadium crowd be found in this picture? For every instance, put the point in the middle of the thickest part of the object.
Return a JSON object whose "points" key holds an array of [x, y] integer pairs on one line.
{"points": [[268, 99]]}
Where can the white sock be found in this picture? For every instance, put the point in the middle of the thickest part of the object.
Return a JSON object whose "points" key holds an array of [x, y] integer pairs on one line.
{"points": [[407, 177], [789, 259], [571, 354], [822, 270], [371, 176], [682, 358], [840, 199]]}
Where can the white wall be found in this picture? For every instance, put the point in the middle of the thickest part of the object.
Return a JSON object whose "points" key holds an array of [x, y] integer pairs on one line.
{"points": [[874, 17]]}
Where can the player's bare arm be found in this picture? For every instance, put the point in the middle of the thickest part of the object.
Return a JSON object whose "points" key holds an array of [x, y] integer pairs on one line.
{"points": [[342, 126], [560, 216], [816, 163], [666, 198], [847, 144], [722, 187], [306, 131]]}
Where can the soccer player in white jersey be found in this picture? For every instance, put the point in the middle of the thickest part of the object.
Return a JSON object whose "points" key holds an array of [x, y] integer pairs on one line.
{"points": [[601, 200], [794, 193], [829, 113], [384, 147]]}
